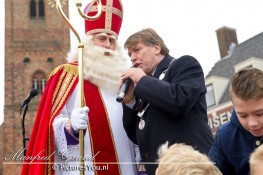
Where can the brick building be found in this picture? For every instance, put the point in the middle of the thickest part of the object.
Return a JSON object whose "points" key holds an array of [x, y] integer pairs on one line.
{"points": [[36, 41], [234, 57]]}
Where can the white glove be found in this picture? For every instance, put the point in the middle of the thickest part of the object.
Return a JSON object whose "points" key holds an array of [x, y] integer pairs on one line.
{"points": [[79, 118]]}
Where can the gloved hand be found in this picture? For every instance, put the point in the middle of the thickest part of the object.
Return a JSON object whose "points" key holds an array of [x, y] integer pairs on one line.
{"points": [[79, 118]]}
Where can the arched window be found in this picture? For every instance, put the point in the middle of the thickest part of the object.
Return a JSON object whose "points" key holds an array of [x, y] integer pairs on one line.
{"points": [[39, 81], [33, 11], [41, 8], [50, 60], [26, 60]]}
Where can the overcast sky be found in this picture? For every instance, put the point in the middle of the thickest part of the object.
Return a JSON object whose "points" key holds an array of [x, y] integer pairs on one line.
{"points": [[186, 26]]}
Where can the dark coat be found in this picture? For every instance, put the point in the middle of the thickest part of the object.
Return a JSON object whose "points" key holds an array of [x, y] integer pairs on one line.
{"points": [[232, 148], [177, 111]]}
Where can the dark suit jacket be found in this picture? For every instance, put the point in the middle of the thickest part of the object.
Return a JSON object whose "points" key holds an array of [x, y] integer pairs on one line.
{"points": [[177, 111]]}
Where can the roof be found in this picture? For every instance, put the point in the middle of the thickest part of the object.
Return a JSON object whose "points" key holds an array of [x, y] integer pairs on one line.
{"points": [[252, 47]]}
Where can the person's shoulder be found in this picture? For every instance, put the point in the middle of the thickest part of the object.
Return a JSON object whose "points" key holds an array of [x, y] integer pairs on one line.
{"points": [[223, 135], [187, 63], [71, 68], [226, 129], [185, 59]]}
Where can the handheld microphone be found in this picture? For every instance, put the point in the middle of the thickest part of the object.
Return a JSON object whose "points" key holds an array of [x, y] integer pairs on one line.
{"points": [[124, 88], [32, 94]]}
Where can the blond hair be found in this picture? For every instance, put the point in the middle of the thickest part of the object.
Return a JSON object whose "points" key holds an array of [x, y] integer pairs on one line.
{"points": [[181, 159], [148, 37], [256, 159], [247, 84]]}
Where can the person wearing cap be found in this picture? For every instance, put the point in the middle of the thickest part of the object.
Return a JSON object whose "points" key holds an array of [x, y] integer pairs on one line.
{"points": [[166, 101], [54, 145]]}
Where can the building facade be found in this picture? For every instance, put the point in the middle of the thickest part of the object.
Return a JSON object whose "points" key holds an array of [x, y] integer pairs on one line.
{"points": [[234, 57], [36, 41]]}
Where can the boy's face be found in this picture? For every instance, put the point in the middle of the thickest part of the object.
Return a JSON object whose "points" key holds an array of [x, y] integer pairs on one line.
{"points": [[250, 114]]}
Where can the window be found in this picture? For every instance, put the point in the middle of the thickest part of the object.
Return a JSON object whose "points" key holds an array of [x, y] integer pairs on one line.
{"points": [[41, 8], [39, 81], [26, 60], [50, 60], [210, 97], [33, 11], [255, 62], [37, 8]]}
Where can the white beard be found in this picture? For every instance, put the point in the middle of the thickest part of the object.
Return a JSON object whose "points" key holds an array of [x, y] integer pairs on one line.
{"points": [[103, 71]]}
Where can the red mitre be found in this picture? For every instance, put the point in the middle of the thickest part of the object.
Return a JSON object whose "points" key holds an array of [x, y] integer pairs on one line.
{"points": [[110, 19]]}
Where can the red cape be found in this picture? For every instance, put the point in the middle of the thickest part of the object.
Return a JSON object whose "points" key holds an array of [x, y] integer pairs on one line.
{"points": [[41, 143], [60, 86]]}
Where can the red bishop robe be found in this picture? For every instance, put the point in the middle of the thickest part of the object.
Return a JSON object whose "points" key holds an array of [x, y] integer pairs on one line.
{"points": [[41, 149]]}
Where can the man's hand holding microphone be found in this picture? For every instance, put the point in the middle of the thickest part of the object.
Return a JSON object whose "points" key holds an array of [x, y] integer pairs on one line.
{"points": [[129, 79]]}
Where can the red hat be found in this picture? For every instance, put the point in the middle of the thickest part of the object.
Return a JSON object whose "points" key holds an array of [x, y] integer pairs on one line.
{"points": [[110, 19]]}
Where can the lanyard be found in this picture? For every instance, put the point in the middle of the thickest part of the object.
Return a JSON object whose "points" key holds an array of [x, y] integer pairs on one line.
{"points": [[140, 114]]}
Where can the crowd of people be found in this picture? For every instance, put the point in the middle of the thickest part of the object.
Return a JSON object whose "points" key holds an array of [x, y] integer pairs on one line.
{"points": [[162, 121]]}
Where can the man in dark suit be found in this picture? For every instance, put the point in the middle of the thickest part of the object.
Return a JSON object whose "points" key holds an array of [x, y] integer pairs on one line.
{"points": [[166, 101]]}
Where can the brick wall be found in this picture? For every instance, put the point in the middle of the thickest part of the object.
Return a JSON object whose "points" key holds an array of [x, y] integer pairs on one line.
{"points": [[38, 39], [1, 150]]}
